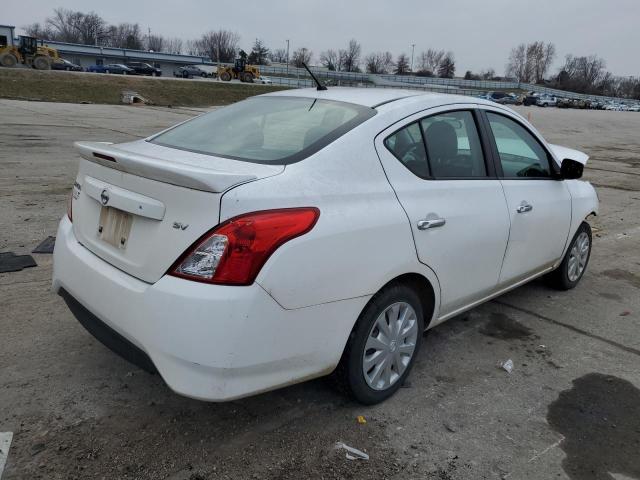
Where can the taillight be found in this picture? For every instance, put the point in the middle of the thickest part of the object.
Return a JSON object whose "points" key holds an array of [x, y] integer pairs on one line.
{"points": [[234, 252]]}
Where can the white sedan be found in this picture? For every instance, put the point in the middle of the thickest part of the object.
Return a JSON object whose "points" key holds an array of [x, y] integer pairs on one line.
{"points": [[304, 233]]}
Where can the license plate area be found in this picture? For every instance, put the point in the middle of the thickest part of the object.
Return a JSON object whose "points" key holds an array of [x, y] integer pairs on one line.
{"points": [[114, 227]]}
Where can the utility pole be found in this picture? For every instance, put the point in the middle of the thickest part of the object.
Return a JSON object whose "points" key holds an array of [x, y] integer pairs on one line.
{"points": [[413, 47], [287, 57]]}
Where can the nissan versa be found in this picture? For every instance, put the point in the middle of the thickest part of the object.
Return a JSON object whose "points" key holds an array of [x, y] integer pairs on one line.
{"points": [[304, 233]]}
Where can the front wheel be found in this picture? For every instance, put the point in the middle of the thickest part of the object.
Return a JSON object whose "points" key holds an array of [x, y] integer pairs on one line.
{"points": [[383, 345], [575, 261]]}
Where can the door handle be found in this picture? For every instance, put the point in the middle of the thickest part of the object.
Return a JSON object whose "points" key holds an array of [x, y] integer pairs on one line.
{"points": [[524, 207], [432, 223]]}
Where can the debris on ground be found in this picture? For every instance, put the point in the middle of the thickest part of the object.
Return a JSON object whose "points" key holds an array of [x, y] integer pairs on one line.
{"points": [[134, 98], [361, 419], [10, 262], [46, 246], [352, 453], [507, 366]]}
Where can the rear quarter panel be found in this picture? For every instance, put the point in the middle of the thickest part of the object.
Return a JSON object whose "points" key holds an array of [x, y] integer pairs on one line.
{"points": [[362, 239]]}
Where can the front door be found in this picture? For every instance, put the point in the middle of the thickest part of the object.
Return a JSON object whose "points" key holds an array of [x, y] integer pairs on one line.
{"points": [[539, 205], [453, 200]]}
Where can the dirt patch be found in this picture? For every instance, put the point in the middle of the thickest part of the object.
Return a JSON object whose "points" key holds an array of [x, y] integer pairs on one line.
{"points": [[504, 327], [599, 418], [618, 274]]}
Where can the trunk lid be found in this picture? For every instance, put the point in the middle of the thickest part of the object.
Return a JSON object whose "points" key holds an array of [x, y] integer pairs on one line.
{"points": [[139, 206]]}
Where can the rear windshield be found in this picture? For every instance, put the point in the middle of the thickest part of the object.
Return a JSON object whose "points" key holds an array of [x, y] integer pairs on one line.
{"points": [[275, 130]]}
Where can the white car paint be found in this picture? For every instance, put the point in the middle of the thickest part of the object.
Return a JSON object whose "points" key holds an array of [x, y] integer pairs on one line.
{"points": [[220, 342]]}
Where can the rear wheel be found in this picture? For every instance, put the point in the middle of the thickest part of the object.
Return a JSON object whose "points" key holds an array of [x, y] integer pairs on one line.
{"points": [[225, 76], [8, 60], [42, 63], [382, 346], [185, 74], [575, 261]]}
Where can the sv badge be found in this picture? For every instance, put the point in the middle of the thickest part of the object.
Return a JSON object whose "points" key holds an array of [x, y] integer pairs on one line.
{"points": [[180, 226]]}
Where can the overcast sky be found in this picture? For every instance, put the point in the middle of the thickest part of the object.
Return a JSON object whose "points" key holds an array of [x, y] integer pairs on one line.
{"points": [[479, 32]]}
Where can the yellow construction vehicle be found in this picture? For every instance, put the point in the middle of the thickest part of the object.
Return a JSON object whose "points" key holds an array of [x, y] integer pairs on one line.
{"points": [[27, 52], [240, 71]]}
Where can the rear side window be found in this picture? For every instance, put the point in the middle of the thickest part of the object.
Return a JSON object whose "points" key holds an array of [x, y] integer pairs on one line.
{"points": [[453, 145], [407, 145], [276, 130], [521, 155]]}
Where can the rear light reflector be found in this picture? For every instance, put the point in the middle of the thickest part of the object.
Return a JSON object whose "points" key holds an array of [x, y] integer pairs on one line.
{"points": [[234, 252]]}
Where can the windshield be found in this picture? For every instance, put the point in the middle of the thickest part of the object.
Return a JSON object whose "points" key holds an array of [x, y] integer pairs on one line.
{"points": [[277, 130]]}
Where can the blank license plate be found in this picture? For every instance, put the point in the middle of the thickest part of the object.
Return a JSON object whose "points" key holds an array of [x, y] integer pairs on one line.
{"points": [[114, 226]]}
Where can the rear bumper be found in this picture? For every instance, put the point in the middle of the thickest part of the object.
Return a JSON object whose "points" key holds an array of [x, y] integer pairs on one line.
{"points": [[209, 342]]}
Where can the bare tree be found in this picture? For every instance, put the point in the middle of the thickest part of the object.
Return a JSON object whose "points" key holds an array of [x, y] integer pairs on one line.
{"points": [[172, 45], [154, 43], [76, 27], [220, 45], [430, 60], [329, 59], [125, 35], [300, 56], [488, 74], [402, 64], [379, 62], [40, 30], [447, 68], [279, 55], [530, 62], [517, 64], [350, 58]]}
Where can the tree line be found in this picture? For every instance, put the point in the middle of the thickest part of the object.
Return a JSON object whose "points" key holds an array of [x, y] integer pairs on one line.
{"points": [[527, 63]]}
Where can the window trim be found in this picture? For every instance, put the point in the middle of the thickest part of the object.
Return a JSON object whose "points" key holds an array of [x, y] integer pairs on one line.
{"points": [[485, 146], [553, 167]]}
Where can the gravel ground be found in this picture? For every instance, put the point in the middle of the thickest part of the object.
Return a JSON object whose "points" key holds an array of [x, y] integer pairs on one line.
{"points": [[570, 409]]}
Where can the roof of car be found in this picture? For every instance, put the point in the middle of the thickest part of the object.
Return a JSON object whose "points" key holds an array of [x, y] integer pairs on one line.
{"points": [[374, 97]]}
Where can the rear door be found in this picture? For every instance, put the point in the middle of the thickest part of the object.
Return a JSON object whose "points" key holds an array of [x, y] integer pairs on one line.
{"points": [[436, 163], [539, 205]]}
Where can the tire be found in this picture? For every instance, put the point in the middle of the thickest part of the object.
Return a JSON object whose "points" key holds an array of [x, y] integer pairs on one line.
{"points": [[575, 261], [203, 74], [8, 60], [368, 339], [225, 76], [185, 74], [247, 77], [41, 63]]}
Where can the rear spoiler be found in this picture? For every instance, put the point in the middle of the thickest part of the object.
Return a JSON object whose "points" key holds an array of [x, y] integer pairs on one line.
{"points": [[180, 174]]}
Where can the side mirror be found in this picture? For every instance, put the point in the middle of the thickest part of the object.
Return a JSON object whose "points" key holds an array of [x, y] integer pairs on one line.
{"points": [[570, 169]]}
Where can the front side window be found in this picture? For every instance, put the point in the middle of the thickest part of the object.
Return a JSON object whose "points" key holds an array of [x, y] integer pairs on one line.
{"points": [[453, 145], [521, 155], [277, 130]]}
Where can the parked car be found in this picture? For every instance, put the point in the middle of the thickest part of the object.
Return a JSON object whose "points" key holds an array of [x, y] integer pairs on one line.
{"points": [[264, 80], [495, 96], [235, 254], [141, 68], [529, 99], [110, 68], [63, 64], [509, 99], [547, 101], [189, 71], [634, 108]]}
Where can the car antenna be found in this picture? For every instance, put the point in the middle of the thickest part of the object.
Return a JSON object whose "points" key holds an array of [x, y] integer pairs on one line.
{"points": [[320, 86]]}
